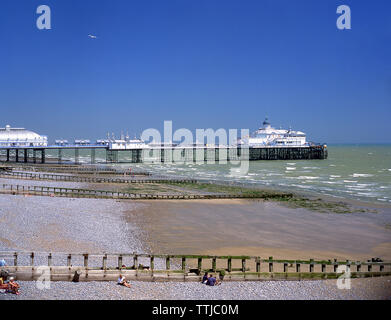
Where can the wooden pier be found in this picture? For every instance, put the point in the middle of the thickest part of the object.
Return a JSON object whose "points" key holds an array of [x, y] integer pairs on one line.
{"points": [[162, 267], [164, 154]]}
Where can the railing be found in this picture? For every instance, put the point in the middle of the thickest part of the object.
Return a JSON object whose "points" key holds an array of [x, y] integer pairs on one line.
{"points": [[153, 267], [87, 193], [57, 177]]}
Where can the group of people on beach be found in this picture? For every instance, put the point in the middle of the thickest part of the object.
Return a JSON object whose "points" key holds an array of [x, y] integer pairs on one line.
{"points": [[210, 280], [7, 286], [207, 279]]}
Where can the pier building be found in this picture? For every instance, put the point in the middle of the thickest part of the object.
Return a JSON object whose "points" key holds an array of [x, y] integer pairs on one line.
{"points": [[20, 137]]}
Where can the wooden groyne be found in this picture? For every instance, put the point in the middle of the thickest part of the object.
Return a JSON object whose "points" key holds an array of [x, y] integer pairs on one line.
{"points": [[58, 177], [78, 170], [163, 267], [105, 194]]}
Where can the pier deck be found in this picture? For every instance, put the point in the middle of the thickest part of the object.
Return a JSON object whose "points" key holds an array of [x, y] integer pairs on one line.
{"points": [[163, 154]]}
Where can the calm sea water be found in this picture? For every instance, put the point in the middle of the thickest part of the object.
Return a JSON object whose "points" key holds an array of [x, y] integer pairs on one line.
{"points": [[360, 172]]}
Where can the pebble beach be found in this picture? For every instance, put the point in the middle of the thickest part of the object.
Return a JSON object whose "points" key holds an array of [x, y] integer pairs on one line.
{"points": [[53, 224], [361, 289]]}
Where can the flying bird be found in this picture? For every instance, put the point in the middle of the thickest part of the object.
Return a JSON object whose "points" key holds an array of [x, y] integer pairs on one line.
{"points": [[92, 36]]}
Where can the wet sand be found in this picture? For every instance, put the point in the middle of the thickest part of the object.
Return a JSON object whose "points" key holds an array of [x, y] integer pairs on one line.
{"points": [[260, 228]]}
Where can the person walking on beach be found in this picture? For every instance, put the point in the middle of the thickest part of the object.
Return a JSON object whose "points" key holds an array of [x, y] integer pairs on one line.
{"points": [[122, 281]]}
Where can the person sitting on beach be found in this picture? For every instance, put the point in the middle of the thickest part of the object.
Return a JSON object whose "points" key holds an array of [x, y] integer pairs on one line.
{"points": [[3, 279], [212, 281], [205, 278], [13, 287], [3, 286], [122, 281]]}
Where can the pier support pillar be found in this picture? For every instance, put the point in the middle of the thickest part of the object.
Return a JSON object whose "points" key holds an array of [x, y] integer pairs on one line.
{"points": [[59, 155], [16, 155], [76, 155], [34, 156], [8, 155], [42, 155], [25, 155], [92, 155]]}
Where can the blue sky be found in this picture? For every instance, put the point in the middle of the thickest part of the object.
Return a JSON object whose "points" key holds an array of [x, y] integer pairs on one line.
{"points": [[200, 63]]}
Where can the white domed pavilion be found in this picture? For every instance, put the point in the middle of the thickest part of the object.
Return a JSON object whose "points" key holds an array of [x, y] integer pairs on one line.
{"points": [[20, 137]]}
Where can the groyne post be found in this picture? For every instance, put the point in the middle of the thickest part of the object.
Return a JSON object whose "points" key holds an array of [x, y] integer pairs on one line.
{"points": [[15, 259], [229, 266], [135, 261], [183, 264], [50, 260], [243, 265], [258, 264], [85, 260], [32, 258], [168, 263], [270, 264], [152, 262], [311, 265], [104, 263], [120, 262], [199, 266], [69, 260]]}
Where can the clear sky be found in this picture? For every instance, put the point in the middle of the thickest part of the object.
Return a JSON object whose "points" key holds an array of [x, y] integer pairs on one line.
{"points": [[200, 63]]}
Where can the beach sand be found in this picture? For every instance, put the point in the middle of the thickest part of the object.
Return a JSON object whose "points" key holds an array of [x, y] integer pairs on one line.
{"points": [[259, 228]]}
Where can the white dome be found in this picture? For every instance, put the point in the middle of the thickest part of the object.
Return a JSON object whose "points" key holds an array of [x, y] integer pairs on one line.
{"points": [[20, 137]]}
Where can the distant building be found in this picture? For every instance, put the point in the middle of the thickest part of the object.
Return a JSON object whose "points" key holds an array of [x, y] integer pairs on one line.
{"points": [[20, 137]]}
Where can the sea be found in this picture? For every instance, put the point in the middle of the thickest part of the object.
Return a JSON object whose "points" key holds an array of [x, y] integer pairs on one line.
{"points": [[352, 171]]}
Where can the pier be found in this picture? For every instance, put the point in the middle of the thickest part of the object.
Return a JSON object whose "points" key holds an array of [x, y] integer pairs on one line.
{"points": [[205, 154], [164, 267]]}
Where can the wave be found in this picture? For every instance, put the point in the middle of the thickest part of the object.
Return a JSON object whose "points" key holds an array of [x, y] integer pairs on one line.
{"points": [[357, 175], [307, 177]]}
